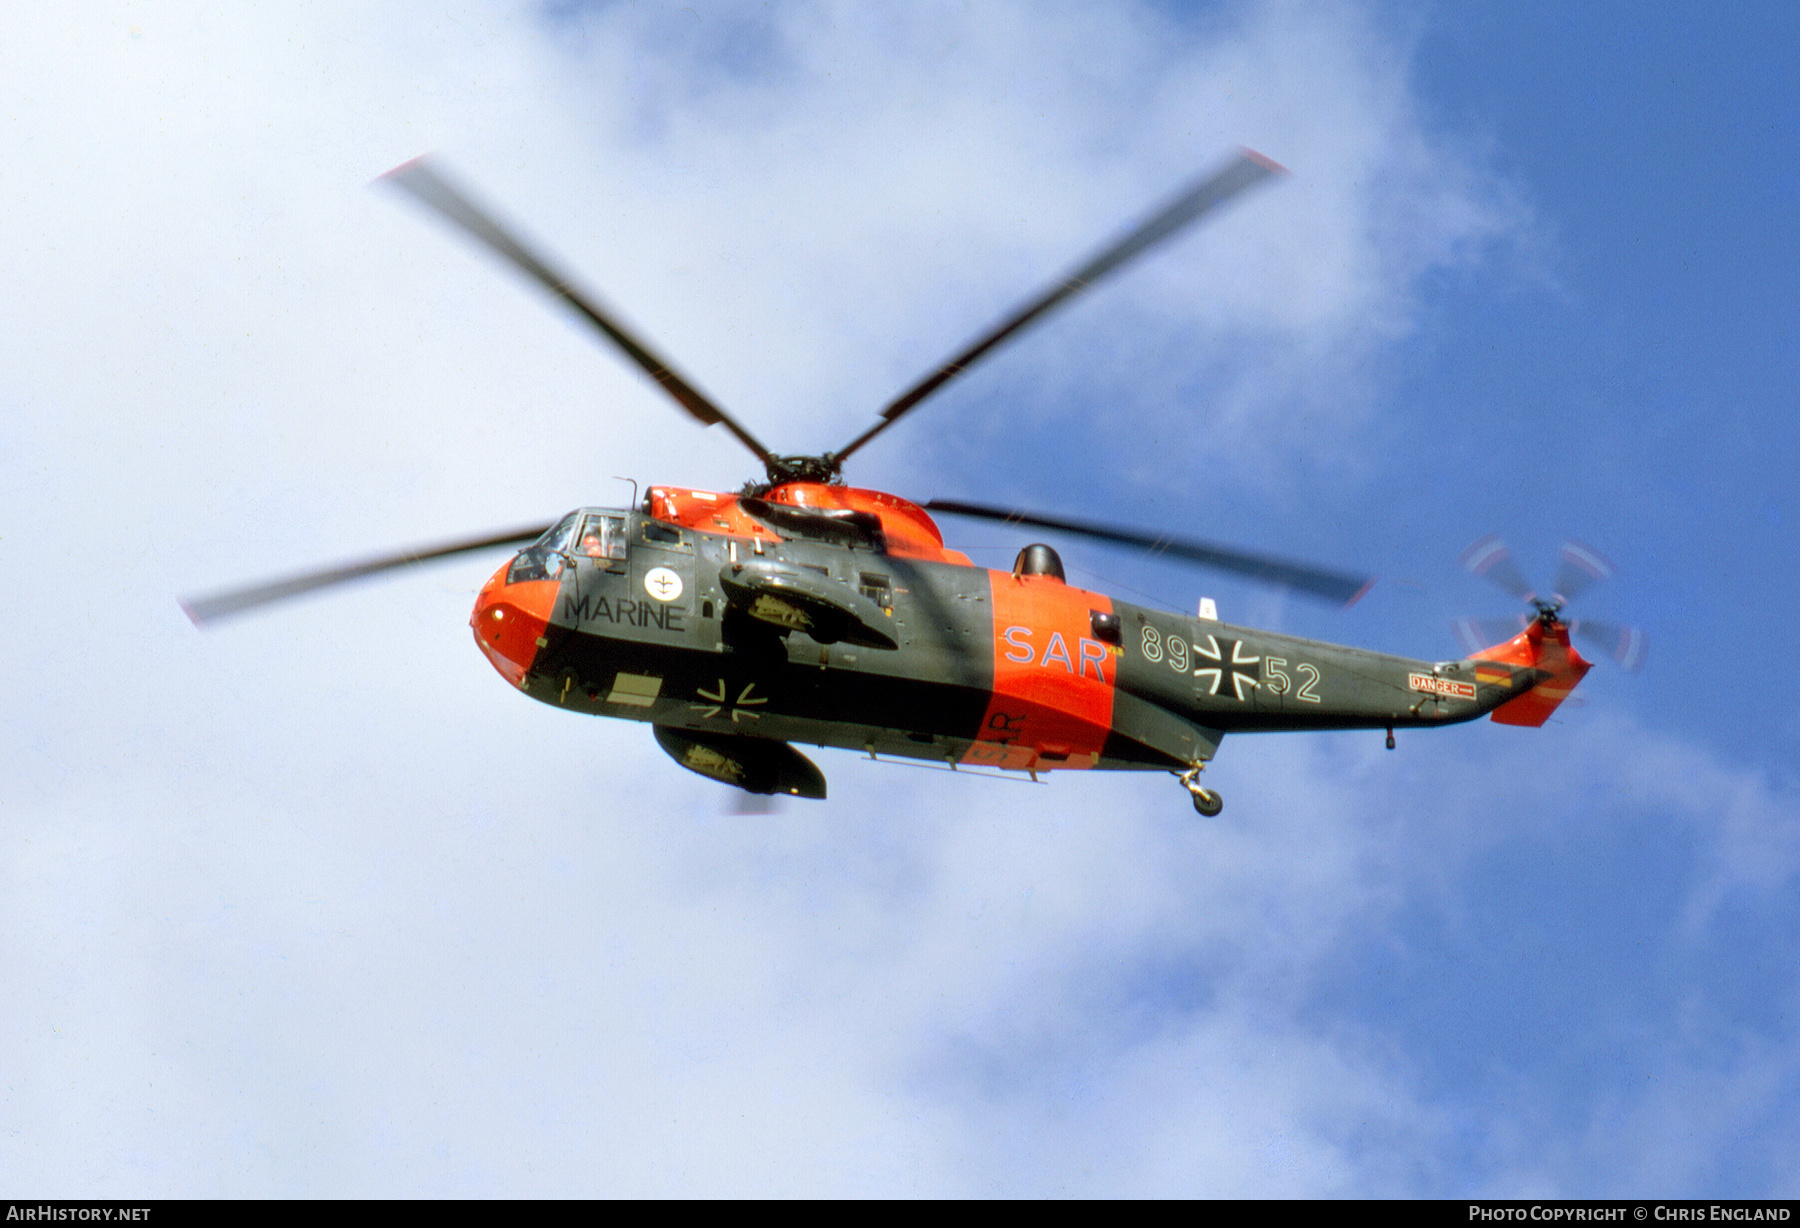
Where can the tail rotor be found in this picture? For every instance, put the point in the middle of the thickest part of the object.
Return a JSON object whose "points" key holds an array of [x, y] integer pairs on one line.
{"points": [[1490, 559], [1580, 566], [1623, 644], [1474, 634]]}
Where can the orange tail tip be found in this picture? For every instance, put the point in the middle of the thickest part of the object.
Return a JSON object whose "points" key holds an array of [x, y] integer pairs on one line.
{"points": [[1543, 648]]}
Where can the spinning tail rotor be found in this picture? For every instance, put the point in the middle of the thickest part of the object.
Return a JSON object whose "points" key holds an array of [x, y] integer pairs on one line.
{"points": [[1581, 565]]}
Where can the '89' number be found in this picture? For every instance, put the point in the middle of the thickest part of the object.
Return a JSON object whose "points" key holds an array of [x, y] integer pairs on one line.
{"points": [[1175, 647]]}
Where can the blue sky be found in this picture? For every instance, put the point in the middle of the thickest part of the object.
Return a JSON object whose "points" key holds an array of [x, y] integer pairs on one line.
{"points": [[314, 905]]}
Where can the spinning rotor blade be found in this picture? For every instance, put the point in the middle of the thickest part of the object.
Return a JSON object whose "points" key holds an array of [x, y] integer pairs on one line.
{"points": [[430, 188], [1490, 558], [1315, 581], [1245, 171], [1623, 644], [1581, 565], [205, 610], [1475, 634]]}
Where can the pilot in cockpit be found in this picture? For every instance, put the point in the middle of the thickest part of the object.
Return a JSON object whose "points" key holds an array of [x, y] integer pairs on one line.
{"points": [[603, 537]]}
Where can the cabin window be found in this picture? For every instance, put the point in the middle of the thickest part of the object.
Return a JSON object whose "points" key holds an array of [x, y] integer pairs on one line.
{"points": [[661, 534]]}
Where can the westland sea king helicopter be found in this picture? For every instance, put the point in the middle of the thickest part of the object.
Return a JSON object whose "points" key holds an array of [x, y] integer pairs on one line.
{"points": [[803, 610]]}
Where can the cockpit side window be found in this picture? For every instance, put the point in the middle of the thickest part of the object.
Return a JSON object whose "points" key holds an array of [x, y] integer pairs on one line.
{"points": [[602, 537]]}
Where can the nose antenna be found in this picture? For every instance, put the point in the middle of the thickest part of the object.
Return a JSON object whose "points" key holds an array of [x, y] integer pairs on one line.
{"points": [[633, 481]]}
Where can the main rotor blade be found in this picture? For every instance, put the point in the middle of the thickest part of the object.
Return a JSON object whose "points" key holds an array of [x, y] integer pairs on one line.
{"points": [[426, 185], [1244, 171], [210, 609], [1301, 577]]}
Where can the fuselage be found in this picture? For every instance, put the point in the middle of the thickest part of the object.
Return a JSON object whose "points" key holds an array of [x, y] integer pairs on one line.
{"points": [[834, 617]]}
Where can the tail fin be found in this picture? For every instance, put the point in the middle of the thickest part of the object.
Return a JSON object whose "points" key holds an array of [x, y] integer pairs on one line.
{"points": [[1544, 650]]}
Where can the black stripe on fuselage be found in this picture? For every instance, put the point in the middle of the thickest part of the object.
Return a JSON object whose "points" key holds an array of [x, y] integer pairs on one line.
{"points": [[761, 689]]}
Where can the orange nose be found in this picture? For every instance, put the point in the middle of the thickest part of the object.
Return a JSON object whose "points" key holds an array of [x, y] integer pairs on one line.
{"points": [[511, 622]]}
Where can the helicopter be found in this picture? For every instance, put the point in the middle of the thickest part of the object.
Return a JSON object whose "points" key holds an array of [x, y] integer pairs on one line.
{"points": [[802, 610]]}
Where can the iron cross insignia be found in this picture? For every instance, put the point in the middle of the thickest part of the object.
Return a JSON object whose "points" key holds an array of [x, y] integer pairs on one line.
{"points": [[1239, 673], [722, 702]]}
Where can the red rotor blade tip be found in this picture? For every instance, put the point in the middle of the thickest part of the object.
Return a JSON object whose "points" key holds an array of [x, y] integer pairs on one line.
{"points": [[1263, 160], [1484, 554], [402, 169], [1588, 559]]}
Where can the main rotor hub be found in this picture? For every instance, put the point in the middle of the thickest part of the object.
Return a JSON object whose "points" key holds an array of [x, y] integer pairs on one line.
{"points": [[826, 469]]}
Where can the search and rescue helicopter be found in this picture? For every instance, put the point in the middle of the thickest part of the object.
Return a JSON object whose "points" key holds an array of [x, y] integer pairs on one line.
{"points": [[803, 610]]}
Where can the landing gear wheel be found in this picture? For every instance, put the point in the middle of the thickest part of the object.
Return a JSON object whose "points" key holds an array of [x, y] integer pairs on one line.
{"points": [[1206, 801]]}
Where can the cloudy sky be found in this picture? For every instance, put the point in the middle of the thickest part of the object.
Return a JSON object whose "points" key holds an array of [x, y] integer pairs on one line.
{"points": [[314, 904]]}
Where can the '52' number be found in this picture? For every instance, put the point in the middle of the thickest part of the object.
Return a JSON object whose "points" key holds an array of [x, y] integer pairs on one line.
{"points": [[1276, 679]]}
